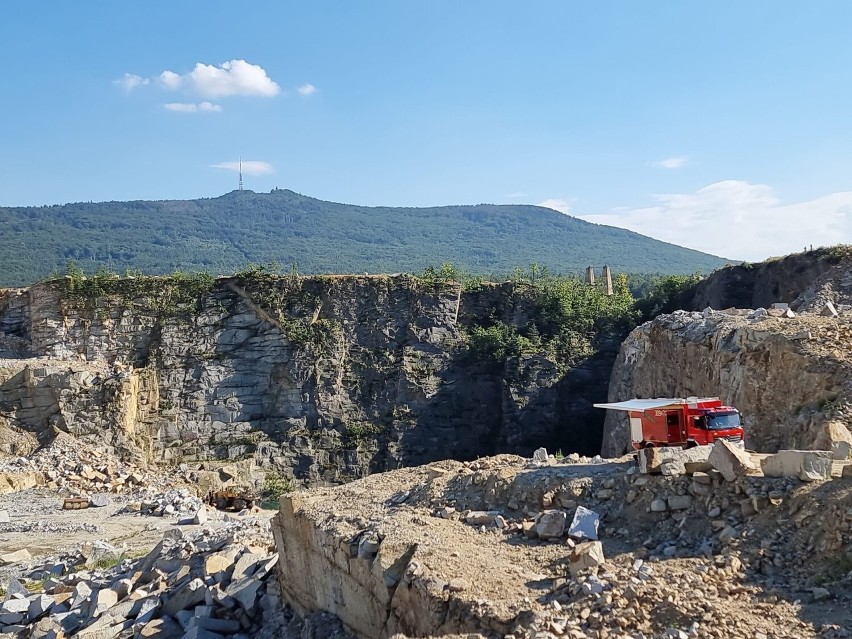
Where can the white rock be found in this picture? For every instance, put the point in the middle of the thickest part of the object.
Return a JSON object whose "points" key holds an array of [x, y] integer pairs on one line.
{"points": [[200, 517], [482, 517], [585, 524], [828, 310], [15, 557]]}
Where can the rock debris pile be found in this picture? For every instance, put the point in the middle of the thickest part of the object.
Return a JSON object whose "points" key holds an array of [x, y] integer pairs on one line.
{"points": [[205, 584], [170, 503], [701, 544], [73, 468]]}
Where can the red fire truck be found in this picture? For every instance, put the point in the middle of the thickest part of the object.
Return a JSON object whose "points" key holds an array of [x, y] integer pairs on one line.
{"points": [[693, 421]]}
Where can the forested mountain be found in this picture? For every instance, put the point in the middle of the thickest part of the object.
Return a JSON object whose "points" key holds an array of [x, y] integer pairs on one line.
{"points": [[224, 234]]}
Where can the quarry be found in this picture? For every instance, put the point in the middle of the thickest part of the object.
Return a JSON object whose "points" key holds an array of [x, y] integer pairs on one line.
{"points": [[420, 491]]}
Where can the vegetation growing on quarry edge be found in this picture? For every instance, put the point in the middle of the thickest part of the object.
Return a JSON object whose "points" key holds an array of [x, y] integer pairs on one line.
{"points": [[178, 293], [562, 315], [283, 297], [562, 318]]}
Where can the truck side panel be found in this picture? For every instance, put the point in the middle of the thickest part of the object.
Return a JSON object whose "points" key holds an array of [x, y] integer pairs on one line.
{"points": [[655, 426]]}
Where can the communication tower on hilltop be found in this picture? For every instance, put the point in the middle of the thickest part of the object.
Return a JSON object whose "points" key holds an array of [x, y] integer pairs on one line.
{"points": [[241, 173]]}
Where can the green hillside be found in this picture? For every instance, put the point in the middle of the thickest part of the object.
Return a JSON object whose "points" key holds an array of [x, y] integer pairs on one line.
{"points": [[223, 234]]}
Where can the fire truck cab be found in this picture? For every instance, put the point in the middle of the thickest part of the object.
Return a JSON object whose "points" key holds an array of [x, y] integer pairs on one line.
{"points": [[693, 421]]}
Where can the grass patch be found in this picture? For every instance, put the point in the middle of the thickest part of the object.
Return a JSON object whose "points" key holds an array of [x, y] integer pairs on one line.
{"points": [[835, 570]]}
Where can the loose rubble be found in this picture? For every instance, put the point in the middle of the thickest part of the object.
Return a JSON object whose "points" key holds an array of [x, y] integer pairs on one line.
{"points": [[204, 584], [496, 546], [171, 503], [73, 468]]}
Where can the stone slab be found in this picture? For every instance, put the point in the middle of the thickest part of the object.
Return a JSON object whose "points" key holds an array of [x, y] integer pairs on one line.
{"points": [[807, 465]]}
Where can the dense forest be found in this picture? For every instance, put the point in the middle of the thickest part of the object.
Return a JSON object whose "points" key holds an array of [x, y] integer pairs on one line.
{"points": [[224, 234]]}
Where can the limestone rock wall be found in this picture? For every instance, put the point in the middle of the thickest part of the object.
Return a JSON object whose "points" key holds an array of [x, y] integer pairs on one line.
{"points": [[762, 284], [788, 376], [324, 378]]}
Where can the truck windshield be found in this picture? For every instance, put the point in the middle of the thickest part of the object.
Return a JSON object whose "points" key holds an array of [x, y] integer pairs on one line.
{"points": [[725, 420]]}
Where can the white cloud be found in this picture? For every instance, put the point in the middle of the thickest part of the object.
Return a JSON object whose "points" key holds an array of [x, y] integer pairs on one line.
{"points": [[250, 167], [738, 220], [557, 205], [130, 81], [170, 80], [515, 195], [676, 162], [191, 107], [235, 77], [307, 89]]}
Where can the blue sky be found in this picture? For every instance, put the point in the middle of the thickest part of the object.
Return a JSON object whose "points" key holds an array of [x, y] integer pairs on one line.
{"points": [[724, 126]]}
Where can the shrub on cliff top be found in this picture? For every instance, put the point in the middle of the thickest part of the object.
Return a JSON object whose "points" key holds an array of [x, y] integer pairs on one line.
{"points": [[174, 294], [562, 316], [665, 295]]}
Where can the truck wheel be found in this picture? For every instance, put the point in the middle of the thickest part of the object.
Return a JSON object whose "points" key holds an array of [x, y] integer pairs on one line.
{"points": [[239, 504], [222, 504], [649, 445], [691, 444]]}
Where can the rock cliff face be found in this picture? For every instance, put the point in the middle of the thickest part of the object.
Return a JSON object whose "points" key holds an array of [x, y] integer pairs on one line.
{"points": [[324, 378], [834, 286], [775, 280], [788, 376]]}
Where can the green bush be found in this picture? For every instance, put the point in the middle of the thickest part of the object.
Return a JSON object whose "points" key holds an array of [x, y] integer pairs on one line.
{"points": [[275, 485], [176, 294], [498, 342], [565, 316], [666, 294]]}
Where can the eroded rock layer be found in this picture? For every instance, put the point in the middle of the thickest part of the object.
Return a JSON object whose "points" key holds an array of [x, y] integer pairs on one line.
{"points": [[324, 378]]}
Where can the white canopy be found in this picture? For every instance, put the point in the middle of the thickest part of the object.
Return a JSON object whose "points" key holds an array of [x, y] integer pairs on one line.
{"points": [[642, 405]]}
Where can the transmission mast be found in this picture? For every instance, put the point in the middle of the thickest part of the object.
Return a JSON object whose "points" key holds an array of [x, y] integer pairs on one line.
{"points": [[241, 173]]}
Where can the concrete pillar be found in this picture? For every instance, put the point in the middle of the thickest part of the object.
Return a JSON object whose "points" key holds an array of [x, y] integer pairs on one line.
{"points": [[607, 275], [590, 275]]}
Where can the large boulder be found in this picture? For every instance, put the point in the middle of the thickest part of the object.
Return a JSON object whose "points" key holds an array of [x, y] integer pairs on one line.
{"points": [[674, 460], [807, 465], [835, 436], [730, 460], [652, 459], [585, 524], [688, 461]]}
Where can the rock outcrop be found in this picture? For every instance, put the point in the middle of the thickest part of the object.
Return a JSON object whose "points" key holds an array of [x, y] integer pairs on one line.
{"points": [[758, 285], [833, 287], [324, 378], [789, 377]]}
